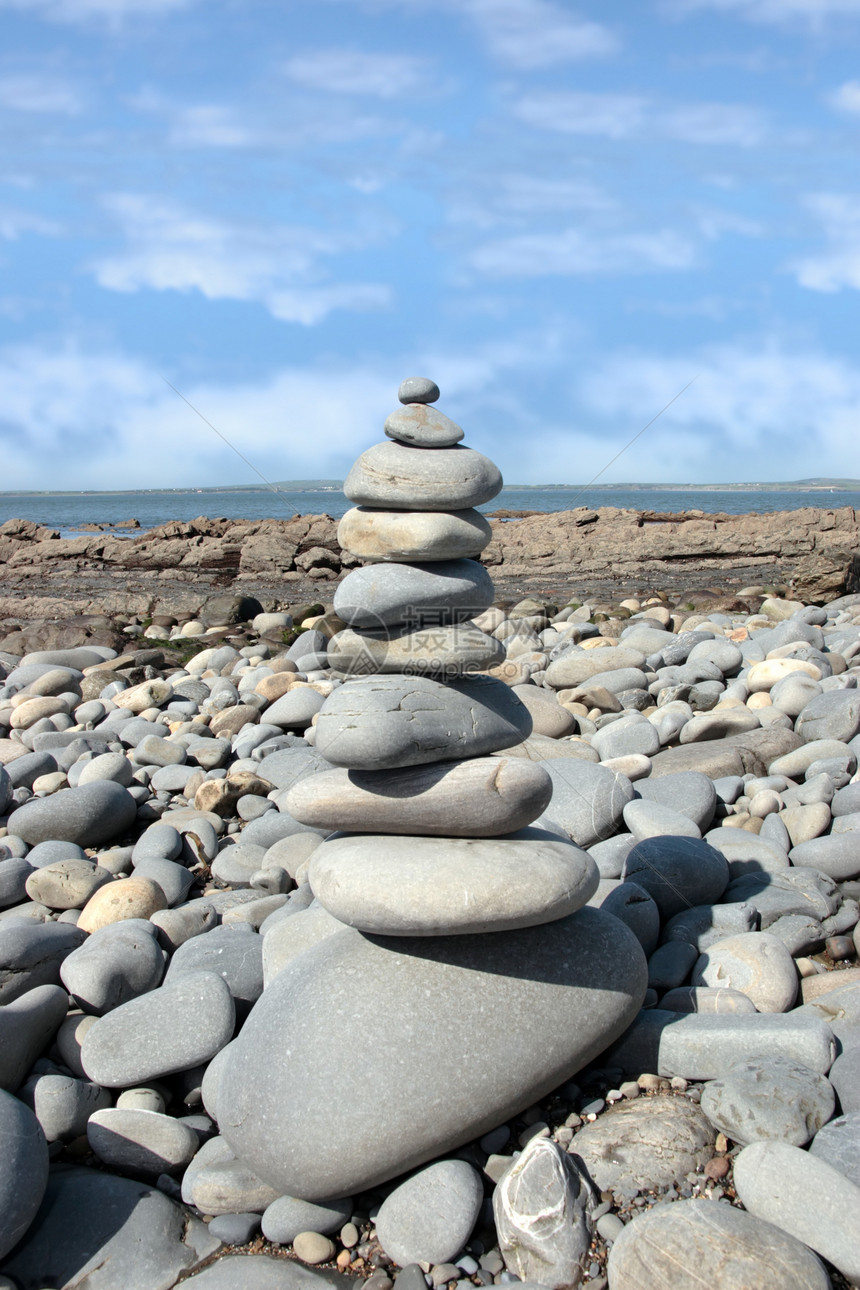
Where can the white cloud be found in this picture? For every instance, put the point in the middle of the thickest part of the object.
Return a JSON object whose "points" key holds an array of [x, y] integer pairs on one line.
{"points": [[529, 34], [839, 265], [349, 71], [14, 222], [486, 198], [629, 116], [574, 251], [815, 11], [111, 11], [278, 266], [756, 411], [209, 125], [29, 93], [847, 97]]}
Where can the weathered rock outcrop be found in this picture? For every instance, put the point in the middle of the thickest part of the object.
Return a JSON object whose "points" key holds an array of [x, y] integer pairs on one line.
{"points": [[174, 567]]}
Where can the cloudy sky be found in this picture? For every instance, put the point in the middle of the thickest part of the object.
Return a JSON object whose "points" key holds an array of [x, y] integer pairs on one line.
{"points": [[561, 210]]}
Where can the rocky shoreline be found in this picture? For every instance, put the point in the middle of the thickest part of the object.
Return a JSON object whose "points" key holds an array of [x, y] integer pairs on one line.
{"points": [[601, 553]]}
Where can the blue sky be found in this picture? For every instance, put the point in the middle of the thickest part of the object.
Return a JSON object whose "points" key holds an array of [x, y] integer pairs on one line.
{"points": [[562, 212]]}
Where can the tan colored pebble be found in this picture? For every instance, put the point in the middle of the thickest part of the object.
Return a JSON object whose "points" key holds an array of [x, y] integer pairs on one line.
{"points": [[125, 898], [273, 687], [313, 1247], [721, 1143], [717, 1167], [26, 714], [349, 1236]]}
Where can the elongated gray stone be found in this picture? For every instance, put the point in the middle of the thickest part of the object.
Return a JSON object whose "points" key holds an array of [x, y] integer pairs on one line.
{"points": [[437, 652], [838, 1143], [31, 954], [416, 886], [698, 1242], [23, 1170], [27, 1025], [698, 1045], [141, 1142], [402, 478], [418, 595], [422, 426], [63, 1105], [88, 815], [587, 800], [430, 1216], [579, 665], [541, 1206], [265, 1272], [374, 534], [477, 798], [389, 721], [677, 872], [802, 1195], [769, 1097], [171, 1029], [287, 1216], [115, 964], [289, 1088]]}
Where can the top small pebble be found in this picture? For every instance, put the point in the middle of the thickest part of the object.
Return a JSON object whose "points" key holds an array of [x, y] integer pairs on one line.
{"points": [[418, 389]]}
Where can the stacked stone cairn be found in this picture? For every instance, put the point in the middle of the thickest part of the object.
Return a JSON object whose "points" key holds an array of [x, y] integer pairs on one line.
{"points": [[457, 976]]}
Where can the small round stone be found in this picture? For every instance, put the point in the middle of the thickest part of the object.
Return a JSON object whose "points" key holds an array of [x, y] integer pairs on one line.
{"points": [[313, 1247], [418, 389]]}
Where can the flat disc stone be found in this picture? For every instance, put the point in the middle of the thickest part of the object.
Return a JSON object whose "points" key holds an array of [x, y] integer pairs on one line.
{"points": [[481, 798], [404, 478], [385, 595], [698, 1242], [428, 651], [413, 535], [769, 1097], [391, 721], [415, 886], [422, 426], [399, 1051]]}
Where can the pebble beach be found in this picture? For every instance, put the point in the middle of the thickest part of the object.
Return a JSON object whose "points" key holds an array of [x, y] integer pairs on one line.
{"points": [[417, 936]]}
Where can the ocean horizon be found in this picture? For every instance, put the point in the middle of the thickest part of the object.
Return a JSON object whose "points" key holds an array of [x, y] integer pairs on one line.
{"points": [[69, 512]]}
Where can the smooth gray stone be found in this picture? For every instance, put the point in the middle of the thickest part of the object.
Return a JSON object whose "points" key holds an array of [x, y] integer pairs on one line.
{"points": [[67, 884], [381, 722], [792, 891], [438, 652], [838, 1143], [840, 1009], [587, 799], [754, 752], [14, 873], [697, 1045], [276, 826], [88, 815], [287, 1216], [618, 681], [478, 798], [846, 801], [5, 790], [288, 765], [722, 653], [63, 1105], [236, 864], [31, 954], [695, 1241], [294, 932], [653, 820], [769, 1097], [688, 792], [677, 872], [295, 709], [802, 1194], [755, 963], [23, 1170], [628, 902], [114, 964], [27, 1025], [141, 1142], [422, 426], [176, 926], [705, 999], [235, 1229], [575, 665], [670, 965], [47, 853], [24, 771], [374, 534], [418, 389], [228, 1187], [235, 953], [264, 1272], [834, 715], [541, 1209], [76, 659], [430, 1216], [418, 595], [113, 766], [795, 763], [289, 1087], [171, 1029], [438, 886], [159, 842], [399, 477], [624, 737], [799, 934], [311, 641], [845, 1071], [836, 854], [173, 879], [645, 1144], [97, 1230], [793, 692], [609, 855], [747, 853]]}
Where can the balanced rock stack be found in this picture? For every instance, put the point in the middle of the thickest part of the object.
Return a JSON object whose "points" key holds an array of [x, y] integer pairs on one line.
{"points": [[458, 976]]}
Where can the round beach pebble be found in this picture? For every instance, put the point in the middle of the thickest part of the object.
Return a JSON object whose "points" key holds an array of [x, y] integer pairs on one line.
{"points": [[643, 1144], [388, 535], [700, 1242], [123, 898], [141, 1142], [394, 475], [88, 815], [418, 389], [287, 1216], [422, 426], [23, 1170], [677, 872], [755, 963], [430, 1217], [67, 884]]}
